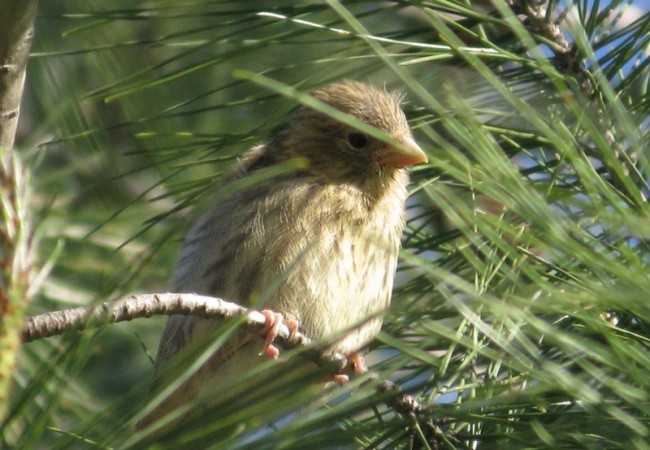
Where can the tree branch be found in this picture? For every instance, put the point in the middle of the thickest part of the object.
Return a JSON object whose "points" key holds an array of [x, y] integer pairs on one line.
{"points": [[16, 237], [539, 22], [147, 305], [16, 31]]}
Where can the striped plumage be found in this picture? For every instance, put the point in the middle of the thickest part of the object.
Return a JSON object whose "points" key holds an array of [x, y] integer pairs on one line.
{"points": [[319, 245]]}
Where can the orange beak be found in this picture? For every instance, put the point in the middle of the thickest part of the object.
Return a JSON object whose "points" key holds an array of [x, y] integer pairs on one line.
{"points": [[407, 154]]}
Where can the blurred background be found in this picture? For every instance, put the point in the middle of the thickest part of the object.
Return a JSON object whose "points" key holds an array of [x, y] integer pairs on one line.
{"points": [[521, 302]]}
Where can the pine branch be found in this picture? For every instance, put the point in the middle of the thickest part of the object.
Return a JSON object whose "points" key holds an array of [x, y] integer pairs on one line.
{"points": [[16, 31], [16, 238], [147, 305], [539, 22]]}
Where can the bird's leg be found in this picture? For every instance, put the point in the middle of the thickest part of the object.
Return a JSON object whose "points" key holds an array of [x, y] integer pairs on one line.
{"points": [[272, 325], [273, 322], [358, 363], [358, 367]]}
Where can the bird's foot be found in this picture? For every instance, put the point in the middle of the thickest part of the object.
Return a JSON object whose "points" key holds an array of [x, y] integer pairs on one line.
{"points": [[358, 368], [273, 322], [358, 363]]}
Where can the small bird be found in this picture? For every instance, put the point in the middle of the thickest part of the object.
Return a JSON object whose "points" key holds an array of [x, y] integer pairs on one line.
{"points": [[319, 245]]}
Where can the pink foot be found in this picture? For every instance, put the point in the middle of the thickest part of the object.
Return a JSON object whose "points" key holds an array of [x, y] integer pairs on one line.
{"points": [[358, 368], [273, 322], [340, 379], [292, 324], [358, 363]]}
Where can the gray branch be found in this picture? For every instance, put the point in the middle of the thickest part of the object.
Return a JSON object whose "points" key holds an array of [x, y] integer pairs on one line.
{"points": [[539, 22], [16, 31], [147, 305]]}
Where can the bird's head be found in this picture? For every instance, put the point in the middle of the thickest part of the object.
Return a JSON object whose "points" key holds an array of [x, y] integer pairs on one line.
{"points": [[336, 151]]}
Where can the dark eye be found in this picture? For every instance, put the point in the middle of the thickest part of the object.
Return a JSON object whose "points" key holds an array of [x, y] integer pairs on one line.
{"points": [[357, 140]]}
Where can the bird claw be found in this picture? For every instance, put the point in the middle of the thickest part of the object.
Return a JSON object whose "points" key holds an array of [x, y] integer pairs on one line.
{"points": [[358, 363], [272, 326], [358, 368], [340, 379]]}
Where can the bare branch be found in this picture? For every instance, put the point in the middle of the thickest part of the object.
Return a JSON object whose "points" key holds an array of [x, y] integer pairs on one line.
{"points": [[540, 23], [147, 305], [16, 237], [16, 31]]}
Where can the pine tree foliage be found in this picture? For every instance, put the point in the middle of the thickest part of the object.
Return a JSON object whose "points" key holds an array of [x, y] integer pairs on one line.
{"points": [[520, 317]]}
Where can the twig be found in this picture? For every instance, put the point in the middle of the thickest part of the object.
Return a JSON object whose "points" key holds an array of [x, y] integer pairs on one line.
{"points": [[16, 31], [16, 237], [567, 59], [147, 305], [539, 22], [407, 406]]}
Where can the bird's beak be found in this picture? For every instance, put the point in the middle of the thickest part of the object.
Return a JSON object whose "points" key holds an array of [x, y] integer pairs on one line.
{"points": [[407, 154]]}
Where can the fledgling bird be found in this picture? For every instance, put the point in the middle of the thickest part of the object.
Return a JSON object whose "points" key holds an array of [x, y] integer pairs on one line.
{"points": [[320, 244]]}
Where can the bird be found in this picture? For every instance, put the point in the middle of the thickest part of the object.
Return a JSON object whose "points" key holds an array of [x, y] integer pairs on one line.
{"points": [[317, 246]]}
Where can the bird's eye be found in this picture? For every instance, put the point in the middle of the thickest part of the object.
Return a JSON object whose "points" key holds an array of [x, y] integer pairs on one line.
{"points": [[358, 140]]}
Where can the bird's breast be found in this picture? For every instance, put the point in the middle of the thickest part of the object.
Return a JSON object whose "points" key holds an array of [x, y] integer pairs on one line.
{"points": [[319, 253], [332, 261]]}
